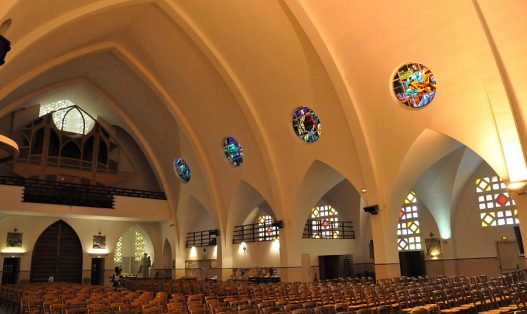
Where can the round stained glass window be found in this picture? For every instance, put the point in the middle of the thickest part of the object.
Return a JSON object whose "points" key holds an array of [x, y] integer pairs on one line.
{"points": [[182, 169], [306, 124], [233, 151], [414, 85]]}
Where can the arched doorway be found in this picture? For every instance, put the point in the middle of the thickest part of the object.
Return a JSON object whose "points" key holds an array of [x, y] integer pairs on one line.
{"points": [[57, 253], [130, 249], [167, 260]]}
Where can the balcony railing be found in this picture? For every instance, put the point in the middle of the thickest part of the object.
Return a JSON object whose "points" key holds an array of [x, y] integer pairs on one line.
{"points": [[256, 232], [201, 238], [326, 229], [63, 193]]}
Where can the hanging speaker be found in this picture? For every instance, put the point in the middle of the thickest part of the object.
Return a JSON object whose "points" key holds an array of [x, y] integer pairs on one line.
{"points": [[5, 46], [279, 224], [374, 209]]}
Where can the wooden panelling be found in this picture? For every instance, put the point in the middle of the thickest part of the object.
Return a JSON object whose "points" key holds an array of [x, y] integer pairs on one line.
{"points": [[57, 253]]}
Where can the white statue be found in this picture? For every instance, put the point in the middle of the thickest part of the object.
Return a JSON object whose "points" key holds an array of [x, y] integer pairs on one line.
{"points": [[145, 265]]}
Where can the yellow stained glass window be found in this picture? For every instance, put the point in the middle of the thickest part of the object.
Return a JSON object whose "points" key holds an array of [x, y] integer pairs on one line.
{"points": [[408, 228], [497, 208], [325, 222], [118, 256], [266, 230]]}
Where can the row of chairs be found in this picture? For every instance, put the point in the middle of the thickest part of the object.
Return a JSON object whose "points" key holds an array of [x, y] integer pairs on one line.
{"points": [[405, 295]]}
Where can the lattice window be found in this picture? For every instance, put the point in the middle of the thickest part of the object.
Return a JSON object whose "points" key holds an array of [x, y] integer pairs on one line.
{"points": [[495, 203], [329, 222], [68, 117], [408, 229], [266, 230], [118, 256], [139, 247]]}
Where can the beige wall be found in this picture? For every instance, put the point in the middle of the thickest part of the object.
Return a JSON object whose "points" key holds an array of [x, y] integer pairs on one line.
{"points": [[32, 227], [472, 248], [470, 251], [126, 208]]}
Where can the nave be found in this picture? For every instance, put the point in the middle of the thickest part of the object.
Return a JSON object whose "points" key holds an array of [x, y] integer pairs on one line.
{"points": [[476, 294]]}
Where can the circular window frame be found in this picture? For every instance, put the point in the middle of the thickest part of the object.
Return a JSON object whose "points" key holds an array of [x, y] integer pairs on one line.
{"points": [[181, 177], [240, 148], [319, 124], [394, 93]]}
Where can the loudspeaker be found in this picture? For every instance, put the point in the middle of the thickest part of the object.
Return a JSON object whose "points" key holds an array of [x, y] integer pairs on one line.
{"points": [[279, 224], [5, 46], [374, 209], [215, 232]]}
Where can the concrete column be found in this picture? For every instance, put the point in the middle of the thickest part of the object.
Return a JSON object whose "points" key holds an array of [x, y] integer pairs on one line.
{"points": [[384, 232], [290, 253]]}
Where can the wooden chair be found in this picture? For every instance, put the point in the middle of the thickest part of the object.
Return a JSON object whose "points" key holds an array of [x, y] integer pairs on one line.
{"points": [[340, 307], [57, 308], [292, 307], [75, 310], [158, 309]]}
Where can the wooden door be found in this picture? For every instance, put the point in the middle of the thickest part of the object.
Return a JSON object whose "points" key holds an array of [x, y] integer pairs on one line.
{"points": [[508, 255], [11, 270], [97, 271], [412, 263], [57, 253]]}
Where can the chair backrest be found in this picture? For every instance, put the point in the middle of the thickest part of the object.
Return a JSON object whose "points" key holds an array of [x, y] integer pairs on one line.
{"points": [[153, 310]]}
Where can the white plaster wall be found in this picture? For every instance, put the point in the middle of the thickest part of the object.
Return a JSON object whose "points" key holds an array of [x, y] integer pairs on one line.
{"points": [[470, 239], [258, 254], [126, 208], [32, 227]]}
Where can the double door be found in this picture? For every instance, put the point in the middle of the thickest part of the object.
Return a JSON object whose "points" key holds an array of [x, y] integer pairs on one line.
{"points": [[11, 270]]}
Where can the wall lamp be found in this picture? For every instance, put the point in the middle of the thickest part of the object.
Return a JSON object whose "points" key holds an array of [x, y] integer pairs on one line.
{"points": [[243, 246]]}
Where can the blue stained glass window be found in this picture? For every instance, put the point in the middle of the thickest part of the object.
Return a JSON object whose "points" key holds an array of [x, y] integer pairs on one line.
{"points": [[414, 85], [233, 151], [306, 124], [182, 169]]}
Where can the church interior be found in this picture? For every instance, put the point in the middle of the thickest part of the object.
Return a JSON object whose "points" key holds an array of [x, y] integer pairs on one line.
{"points": [[272, 140]]}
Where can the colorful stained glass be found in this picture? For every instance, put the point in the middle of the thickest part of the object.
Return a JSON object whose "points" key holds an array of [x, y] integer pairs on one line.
{"points": [[495, 203], [182, 169], [266, 230], [325, 222], [502, 199], [414, 85], [408, 231], [233, 150], [306, 124]]}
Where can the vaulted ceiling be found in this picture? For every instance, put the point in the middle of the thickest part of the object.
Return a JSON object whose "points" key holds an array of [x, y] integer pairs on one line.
{"points": [[181, 75]]}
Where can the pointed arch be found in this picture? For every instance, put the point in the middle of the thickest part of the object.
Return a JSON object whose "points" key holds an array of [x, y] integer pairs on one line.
{"points": [[130, 253], [193, 216], [71, 150], [245, 199], [317, 181], [437, 167], [57, 253], [427, 149], [167, 256]]}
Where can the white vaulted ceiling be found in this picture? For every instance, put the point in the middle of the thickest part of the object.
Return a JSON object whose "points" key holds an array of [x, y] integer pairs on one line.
{"points": [[181, 75]]}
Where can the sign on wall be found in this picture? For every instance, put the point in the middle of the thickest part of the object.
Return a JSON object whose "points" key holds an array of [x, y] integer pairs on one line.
{"points": [[14, 239], [99, 241]]}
